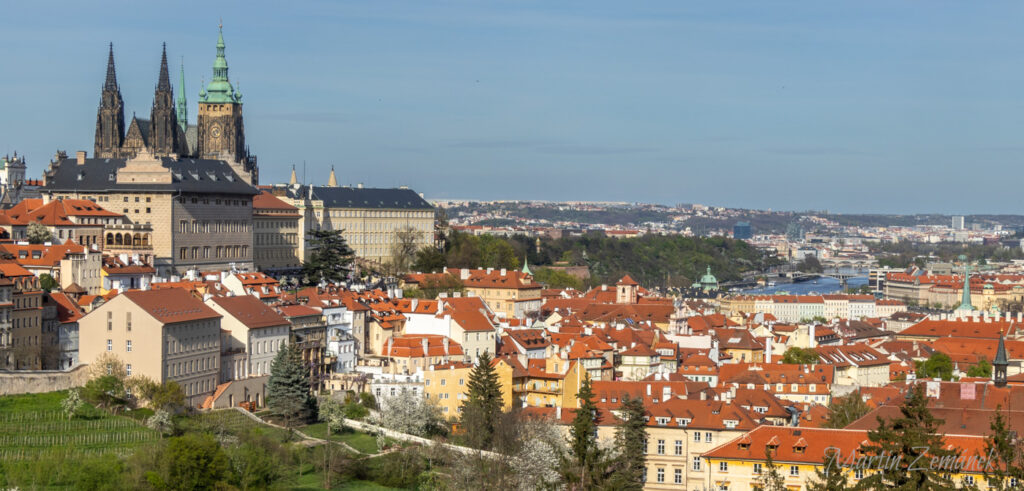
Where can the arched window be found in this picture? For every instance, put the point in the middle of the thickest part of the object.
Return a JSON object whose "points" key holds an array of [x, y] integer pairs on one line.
{"points": [[118, 240], [110, 239]]}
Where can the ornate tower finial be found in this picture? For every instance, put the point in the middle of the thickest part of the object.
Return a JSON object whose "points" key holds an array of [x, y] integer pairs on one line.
{"points": [[965, 302], [293, 180]]}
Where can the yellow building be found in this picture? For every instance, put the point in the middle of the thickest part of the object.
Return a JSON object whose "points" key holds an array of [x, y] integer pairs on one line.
{"points": [[508, 293], [799, 452], [448, 384], [276, 234], [372, 220]]}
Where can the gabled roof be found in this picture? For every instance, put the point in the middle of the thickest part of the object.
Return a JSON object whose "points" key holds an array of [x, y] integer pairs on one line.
{"points": [[171, 305], [188, 175], [347, 197], [250, 311]]}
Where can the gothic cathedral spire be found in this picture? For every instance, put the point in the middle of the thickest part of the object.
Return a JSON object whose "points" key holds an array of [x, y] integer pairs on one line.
{"points": [[164, 131], [182, 103], [110, 115]]}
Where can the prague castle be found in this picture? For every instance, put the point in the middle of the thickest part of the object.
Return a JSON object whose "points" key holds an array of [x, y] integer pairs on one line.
{"points": [[187, 189]]}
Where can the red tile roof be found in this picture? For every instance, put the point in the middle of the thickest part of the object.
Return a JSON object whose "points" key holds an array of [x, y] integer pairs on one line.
{"points": [[250, 311], [171, 305]]}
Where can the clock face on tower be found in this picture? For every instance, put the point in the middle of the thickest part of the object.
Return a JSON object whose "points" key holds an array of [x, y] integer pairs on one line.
{"points": [[215, 131]]}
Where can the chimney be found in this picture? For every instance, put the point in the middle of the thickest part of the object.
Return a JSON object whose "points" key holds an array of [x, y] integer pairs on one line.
{"points": [[445, 342], [414, 303], [648, 390], [504, 271], [558, 412], [666, 393], [80, 157], [489, 270], [423, 341], [463, 274], [1020, 316]]}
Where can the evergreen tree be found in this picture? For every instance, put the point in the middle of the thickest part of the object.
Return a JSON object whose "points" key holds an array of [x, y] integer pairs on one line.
{"points": [[288, 396], [905, 447], [770, 479], [1006, 456], [583, 467], [483, 406], [630, 440], [329, 259], [830, 476]]}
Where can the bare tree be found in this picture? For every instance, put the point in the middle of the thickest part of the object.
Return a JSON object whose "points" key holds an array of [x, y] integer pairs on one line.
{"points": [[403, 251]]}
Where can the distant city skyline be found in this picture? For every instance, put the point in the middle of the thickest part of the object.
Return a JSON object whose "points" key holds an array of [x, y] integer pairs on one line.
{"points": [[854, 107]]}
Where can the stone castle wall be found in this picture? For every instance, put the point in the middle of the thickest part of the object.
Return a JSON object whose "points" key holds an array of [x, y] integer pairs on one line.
{"points": [[38, 381]]}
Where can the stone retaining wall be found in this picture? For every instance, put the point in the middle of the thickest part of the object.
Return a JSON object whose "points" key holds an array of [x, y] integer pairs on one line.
{"points": [[38, 381]]}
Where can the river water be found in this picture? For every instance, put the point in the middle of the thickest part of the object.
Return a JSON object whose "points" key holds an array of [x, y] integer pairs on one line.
{"points": [[820, 285]]}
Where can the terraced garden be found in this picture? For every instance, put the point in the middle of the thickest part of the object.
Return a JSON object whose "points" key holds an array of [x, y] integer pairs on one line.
{"points": [[33, 425]]}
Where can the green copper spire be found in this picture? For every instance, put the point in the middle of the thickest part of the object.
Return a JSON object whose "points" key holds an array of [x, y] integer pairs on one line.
{"points": [[526, 267], [965, 302], [182, 103], [220, 90]]}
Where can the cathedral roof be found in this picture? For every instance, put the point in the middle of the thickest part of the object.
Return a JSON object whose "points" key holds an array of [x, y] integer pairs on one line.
{"points": [[189, 175], [347, 197]]}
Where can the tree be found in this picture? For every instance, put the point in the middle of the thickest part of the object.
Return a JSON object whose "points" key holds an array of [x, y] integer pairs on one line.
{"points": [[37, 233], [556, 278], [72, 403], [583, 467], [631, 441], [106, 392], [429, 260], [939, 365], [329, 259], [830, 476], [191, 461], [810, 264], [407, 412], [770, 479], [432, 287], [982, 369], [46, 282], [108, 363], [536, 462], [256, 463], [800, 356], [288, 397], [483, 404], [914, 437], [1006, 455], [845, 410], [403, 251]]}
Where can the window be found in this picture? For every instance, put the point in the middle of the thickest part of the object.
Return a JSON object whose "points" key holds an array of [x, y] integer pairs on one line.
{"points": [[110, 320], [794, 470], [707, 437], [128, 321], [110, 345], [128, 345], [661, 475], [723, 467], [757, 468], [696, 464], [661, 447], [679, 447], [183, 253], [128, 368], [696, 437]]}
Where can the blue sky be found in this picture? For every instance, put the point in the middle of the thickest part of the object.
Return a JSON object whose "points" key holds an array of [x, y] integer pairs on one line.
{"points": [[890, 106]]}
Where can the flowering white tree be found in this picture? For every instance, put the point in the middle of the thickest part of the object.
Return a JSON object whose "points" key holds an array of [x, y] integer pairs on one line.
{"points": [[72, 403], [536, 463], [408, 412]]}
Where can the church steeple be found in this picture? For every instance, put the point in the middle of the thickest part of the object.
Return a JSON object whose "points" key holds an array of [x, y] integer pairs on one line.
{"points": [[111, 83], [332, 181], [1000, 363], [182, 103], [163, 122], [293, 180], [221, 132], [110, 115]]}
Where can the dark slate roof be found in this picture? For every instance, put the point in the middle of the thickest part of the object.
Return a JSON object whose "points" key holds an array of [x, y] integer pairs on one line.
{"points": [[144, 127], [190, 176], [348, 197]]}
